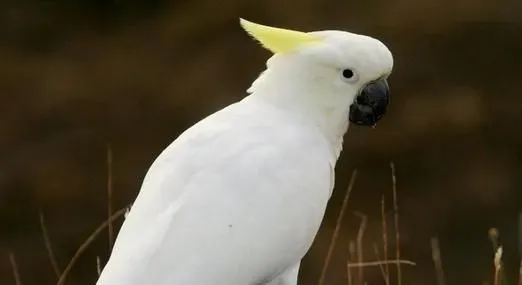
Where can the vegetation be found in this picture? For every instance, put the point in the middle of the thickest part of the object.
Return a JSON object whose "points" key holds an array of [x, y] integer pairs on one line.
{"points": [[354, 267]]}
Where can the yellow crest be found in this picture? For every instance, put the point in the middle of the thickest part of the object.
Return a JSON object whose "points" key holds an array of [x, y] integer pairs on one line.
{"points": [[276, 39]]}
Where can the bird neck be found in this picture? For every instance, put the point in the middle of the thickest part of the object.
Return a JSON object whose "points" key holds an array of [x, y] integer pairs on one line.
{"points": [[305, 104]]}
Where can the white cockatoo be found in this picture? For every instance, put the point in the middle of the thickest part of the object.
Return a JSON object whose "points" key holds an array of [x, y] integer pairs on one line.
{"points": [[238, 198]]}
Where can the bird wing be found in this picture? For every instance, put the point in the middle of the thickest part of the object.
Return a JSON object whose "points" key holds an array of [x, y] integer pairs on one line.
{"points": [[233, 199]]}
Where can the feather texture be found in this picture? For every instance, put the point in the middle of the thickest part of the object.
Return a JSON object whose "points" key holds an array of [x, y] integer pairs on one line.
{"points": [[223, 200]]}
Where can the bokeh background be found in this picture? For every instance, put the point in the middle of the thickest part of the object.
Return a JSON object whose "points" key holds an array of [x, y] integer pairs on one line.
{"points": [[78, 75]]}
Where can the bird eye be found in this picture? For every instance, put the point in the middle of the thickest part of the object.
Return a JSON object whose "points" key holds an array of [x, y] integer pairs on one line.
{"points": [[348, 73]]}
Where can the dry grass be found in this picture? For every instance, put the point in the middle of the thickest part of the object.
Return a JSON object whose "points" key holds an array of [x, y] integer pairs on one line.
{"points": [[338, 222], [437, 261], [379, 263], [88, 242], [356, 248], [520, 248], [384, 230], [110, 227], [497, 257], [356, 260], [396, 221], [48, 246], [14, 267]]}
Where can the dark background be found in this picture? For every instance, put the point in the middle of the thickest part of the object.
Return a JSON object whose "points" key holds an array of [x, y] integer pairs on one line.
{"points": [[78, 75]]}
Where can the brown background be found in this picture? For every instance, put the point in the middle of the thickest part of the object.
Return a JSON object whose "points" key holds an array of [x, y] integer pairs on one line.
{"points": [[77, 75]]}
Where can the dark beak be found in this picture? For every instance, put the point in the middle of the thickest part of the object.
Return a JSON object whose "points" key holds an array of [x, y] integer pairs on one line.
{"points": [[371, 104]]}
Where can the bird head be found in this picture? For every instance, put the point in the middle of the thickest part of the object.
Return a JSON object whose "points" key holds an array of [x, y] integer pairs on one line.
{"points": [[337, 75]]}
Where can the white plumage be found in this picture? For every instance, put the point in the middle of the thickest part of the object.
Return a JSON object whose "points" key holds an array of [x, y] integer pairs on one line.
{"points": [[238, 198]]}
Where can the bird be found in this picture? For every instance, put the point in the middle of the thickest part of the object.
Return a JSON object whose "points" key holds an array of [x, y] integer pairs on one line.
{"points": [[238, 197]]}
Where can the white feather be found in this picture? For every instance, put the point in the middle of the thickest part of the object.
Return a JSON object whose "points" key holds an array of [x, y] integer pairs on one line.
{"points": [[236, 199]]}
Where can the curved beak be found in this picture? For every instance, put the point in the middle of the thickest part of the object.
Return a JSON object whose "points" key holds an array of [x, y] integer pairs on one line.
{"points": [[371, 104]]}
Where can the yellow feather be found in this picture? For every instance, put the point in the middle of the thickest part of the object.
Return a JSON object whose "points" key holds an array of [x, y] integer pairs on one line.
{"points": [[277, 40]]}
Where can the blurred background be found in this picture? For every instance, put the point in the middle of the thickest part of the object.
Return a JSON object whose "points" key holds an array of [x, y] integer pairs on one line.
{"points": [[77, 76]]}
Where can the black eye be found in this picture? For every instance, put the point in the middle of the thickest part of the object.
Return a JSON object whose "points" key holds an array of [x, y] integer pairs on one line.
{"points": [[347, 73]]}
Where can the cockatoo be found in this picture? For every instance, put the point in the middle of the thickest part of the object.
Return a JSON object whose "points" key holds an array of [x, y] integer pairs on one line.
{"points": [[238, 198]]}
